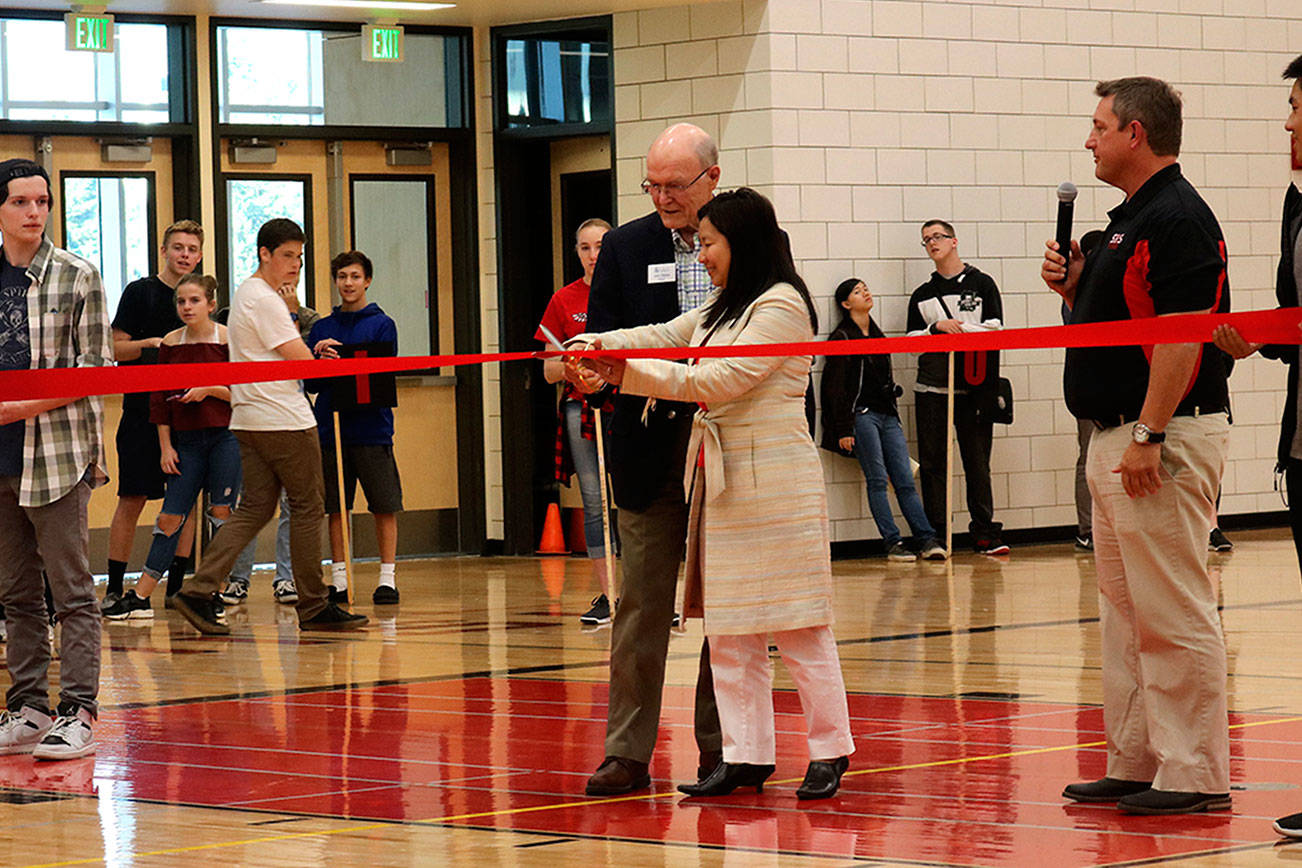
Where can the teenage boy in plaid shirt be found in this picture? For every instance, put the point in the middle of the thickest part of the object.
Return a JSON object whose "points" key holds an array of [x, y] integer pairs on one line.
{"points": [[52, 315]]}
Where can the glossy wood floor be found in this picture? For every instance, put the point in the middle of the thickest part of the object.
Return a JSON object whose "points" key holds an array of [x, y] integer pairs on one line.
{"points": [[461, 727]]}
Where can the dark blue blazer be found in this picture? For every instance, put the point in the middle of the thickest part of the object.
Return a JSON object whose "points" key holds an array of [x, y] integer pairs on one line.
{"points": [[642, 458]]}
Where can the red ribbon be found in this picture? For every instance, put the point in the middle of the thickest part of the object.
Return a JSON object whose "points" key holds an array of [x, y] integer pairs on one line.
{"points": [[1278, 326]]}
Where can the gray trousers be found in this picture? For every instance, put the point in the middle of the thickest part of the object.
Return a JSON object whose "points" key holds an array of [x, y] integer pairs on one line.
{"points": [[654, 540], [53, 538]]}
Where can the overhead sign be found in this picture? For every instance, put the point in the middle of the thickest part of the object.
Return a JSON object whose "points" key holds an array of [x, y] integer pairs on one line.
{"points": [[89, 32], [382, 43]]}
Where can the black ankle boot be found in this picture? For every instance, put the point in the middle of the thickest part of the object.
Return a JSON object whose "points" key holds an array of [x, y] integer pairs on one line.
{"points": [[726, 777], [823, 778]]}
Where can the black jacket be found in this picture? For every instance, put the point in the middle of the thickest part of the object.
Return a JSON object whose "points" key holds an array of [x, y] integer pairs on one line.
{"points": [[970, 296], [1286, 294], [854, 381], [643, 458]]}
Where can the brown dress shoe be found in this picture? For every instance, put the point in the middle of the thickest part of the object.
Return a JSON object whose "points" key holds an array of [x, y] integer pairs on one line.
{"points": [[618, 775]]}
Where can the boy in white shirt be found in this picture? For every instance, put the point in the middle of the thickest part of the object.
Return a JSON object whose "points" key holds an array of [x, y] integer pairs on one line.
{"points": [[278, 446]]}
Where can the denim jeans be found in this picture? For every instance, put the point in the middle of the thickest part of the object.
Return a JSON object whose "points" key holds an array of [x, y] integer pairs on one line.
{"points": [[883, 452], [209, 460], [243, 568], [584, 452]]}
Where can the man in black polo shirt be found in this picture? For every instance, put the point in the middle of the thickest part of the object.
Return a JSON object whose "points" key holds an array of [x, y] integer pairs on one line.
{"points": [[1154, 463], [146, 312]]}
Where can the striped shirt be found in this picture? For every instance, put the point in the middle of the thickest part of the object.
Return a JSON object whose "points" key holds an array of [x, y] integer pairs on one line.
{"points": [[67, 320], [693, 280]]}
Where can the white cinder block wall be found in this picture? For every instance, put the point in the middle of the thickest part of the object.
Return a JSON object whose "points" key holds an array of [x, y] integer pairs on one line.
{"points": [[862, 118]]}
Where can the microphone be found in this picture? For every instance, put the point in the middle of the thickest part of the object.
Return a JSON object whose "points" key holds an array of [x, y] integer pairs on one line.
{"points": [[1066, 198]]}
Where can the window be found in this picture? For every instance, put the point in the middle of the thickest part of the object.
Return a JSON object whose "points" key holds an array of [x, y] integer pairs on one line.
{"points": [[131, 84], [553, 80], [108, 220], [250, 202], [287, 76]]}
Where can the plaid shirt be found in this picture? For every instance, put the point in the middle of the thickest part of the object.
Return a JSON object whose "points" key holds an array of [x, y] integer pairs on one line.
{"points": [[67, 321], [693, 280]]}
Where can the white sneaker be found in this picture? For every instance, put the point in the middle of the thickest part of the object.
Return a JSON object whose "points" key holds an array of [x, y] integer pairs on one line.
{"points": [[20, 731], [284, 591], [70, 737]]}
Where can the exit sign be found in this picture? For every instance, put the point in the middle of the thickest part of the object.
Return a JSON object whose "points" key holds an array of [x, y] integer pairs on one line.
{"points": [[89, 32], [382, 43]]}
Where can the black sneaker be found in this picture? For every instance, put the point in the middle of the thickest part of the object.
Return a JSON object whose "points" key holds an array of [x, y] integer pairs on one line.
{"points": [[384, 595], [333, 618], [1219, 542], [1290, 826], [201, 612], [110, 597], [1084, 542], [598, 614], [992, 546], [900, 552], [130, 607], [338, 596]]}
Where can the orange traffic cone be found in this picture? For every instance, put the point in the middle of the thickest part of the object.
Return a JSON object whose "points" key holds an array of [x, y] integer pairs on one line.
{"points": [[553, 538]]}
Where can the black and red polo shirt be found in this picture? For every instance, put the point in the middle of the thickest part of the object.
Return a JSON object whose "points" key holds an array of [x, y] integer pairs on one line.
{"points": [[1162, 252]]}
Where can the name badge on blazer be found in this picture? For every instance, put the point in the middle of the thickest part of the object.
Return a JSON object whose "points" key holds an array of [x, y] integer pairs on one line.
{"points": [[663, 272]]}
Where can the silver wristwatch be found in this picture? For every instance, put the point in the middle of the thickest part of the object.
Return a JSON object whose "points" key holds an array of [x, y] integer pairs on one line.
{"points": [[1141, 433]]}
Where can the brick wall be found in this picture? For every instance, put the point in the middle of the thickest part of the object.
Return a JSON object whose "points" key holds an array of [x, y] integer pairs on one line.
{"points": [[862, 119]]}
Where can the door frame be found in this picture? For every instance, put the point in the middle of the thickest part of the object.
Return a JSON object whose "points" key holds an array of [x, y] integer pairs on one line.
{"points": [[522, 163]]}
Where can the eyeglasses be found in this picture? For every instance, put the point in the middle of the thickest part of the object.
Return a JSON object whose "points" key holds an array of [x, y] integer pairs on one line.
{"points": [[927, 239], [672, 190]]}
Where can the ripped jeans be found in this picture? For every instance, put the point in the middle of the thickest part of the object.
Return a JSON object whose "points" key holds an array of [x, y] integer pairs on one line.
{"points": [[208, 459]]}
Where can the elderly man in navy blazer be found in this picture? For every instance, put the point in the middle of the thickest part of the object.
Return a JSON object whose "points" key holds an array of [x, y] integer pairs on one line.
{"points": [[648, 273]]}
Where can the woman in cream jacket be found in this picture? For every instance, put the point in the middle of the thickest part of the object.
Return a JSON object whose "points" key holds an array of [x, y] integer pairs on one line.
{"points": [[758, 546]]}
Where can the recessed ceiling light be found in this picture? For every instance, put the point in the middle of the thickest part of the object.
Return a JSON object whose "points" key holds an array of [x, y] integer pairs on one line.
{"points": [[413, 6]]}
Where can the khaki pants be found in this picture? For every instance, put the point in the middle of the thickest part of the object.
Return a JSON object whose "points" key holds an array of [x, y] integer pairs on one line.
{"points": [[1164, 666], [273, 460], [743, 683], [653, 541]]}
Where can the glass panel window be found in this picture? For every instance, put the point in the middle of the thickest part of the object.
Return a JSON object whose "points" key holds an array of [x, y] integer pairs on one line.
{"points": [[107, 220], [41, 80], [250, 202], [557, 81], [286, 76]]}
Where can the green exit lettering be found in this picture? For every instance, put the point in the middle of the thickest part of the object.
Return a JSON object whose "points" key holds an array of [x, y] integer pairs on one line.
{"points": [[89, 32], [382, 43]]}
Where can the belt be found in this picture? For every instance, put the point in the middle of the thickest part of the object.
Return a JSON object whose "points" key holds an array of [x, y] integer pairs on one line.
{"points": [[1124, 418]]}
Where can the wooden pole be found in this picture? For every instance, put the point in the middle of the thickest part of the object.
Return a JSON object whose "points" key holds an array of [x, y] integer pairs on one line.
{"points": [[949, 461], [344, 516], [605, 508]]}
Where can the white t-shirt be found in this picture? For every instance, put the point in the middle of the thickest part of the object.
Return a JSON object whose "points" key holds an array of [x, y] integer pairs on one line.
{"points": [[259, 322]]}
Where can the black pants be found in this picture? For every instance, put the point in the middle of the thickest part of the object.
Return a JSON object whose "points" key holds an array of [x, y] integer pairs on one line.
{"points": [[1293, 485], [974, 441]]}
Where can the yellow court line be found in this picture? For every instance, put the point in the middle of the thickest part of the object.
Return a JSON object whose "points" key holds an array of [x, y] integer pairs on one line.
{"points": [[589, 803]]}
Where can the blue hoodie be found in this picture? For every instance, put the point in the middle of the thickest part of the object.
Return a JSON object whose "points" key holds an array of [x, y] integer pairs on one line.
{"points": [[357, 427]]}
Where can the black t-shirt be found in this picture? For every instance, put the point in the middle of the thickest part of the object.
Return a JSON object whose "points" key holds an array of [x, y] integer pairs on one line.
{"points": [[147, 309], [15, 355], [1162, 253]]}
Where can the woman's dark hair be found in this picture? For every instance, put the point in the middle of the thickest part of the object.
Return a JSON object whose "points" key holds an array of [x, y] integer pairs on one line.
{"points": [[761, 254], [843, 290]]}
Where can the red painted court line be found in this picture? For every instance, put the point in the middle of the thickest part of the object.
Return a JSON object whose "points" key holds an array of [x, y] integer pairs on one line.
{"points": [[963, 781]]}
